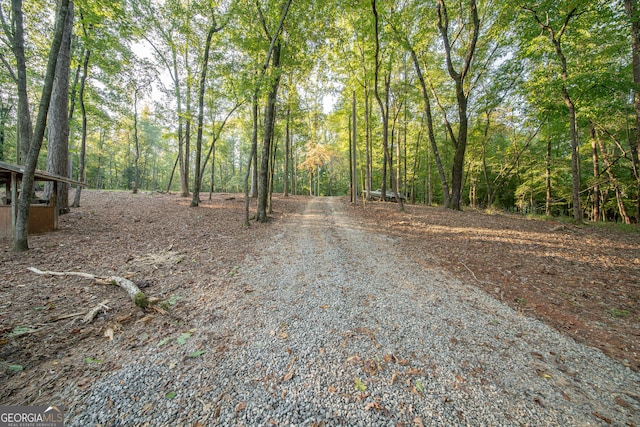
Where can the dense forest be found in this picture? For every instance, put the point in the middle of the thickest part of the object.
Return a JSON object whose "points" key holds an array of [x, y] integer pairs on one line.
{"points": [[526, 106]]}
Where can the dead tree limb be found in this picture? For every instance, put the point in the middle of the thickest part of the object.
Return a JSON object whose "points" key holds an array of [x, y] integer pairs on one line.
{"points": [[88, 318], [137, 296]]}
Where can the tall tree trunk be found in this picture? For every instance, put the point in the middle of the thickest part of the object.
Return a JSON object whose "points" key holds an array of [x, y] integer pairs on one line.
{"points": [[350, 132], [295, 172], [58, 123], [99, 182], [187, 133], [272, 166], [595, 213], [254, 145], [430, 131], [287, 153], [547, 177], [213, 169], [83, 147], [367, 135], [354, 166], [416, 165], [197, 181], [272, 54], [25, 127], [184, 183], [384, 111], [460, 143], [269, 122], [575, 157], [485, 169], [631, 7], [4, 116], [399, 179], [20, 240], [252, 155], [556, 39], [136, 158], [404, 149]]}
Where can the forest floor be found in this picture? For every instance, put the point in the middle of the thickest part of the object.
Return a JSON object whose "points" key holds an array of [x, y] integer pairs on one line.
{"points": [[583, 281]]}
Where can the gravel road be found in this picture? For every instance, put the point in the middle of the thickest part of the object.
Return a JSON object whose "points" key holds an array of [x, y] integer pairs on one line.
{"points": [[331, 325]]}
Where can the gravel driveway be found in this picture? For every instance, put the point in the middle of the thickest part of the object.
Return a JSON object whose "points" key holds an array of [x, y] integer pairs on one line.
{"points": [[331, 325]]}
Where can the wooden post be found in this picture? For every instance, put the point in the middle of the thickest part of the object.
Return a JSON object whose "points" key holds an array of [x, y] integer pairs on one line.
{"points": [[54, 202], [14, 202]]}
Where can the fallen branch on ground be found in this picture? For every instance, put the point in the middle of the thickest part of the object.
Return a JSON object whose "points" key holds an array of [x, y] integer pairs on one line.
{"points": [[137, 296], [470, 271], [88, 318]]}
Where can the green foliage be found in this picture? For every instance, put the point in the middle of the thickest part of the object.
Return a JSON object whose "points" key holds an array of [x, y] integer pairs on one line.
{"points": [[359, 385], [515, 108], [616, 312], [141, 300]]}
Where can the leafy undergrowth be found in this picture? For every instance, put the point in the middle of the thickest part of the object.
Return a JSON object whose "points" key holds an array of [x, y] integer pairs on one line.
{"points": [[582, 280]]}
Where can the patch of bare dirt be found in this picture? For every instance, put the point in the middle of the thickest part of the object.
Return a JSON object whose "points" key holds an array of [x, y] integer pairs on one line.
{"points": [[582, 280], [184, 256]]}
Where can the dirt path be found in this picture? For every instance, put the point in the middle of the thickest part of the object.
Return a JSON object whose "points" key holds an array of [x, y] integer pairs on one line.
{"points": [[329, 324]]}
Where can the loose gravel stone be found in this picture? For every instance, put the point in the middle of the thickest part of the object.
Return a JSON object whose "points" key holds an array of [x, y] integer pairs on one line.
{"points": [[332, 326]]}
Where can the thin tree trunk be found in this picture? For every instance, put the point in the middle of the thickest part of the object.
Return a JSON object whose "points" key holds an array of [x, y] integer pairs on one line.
{"points": [[485, 169], [197, 182], [187, 133], [272, 165], [254, 146], [25, 127], [252, 156], [547, 178], [350, 132], [287, 153], [173, 171], [595, 213], [184, 183], [416, 165], [83, 146], [369, 151], [269, 122], [354, 166], [430, 131], [404, 149], [99, 182], [213, 169], [4, 116], [136, 142], [575, 157]]}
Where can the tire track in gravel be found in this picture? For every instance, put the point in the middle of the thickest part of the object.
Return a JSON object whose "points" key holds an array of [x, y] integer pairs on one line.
{"points": [[331, 325]]}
